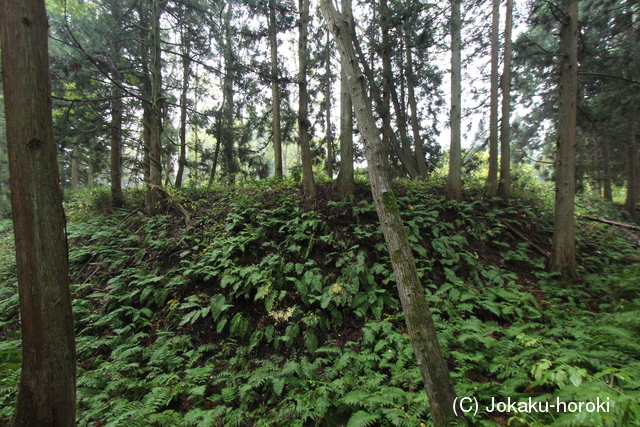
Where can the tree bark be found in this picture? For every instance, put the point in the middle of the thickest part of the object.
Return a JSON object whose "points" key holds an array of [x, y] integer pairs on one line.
{"points": [[186, 65], [454, 181], [504, 186], [492, 179], [154, 195], [117, 198], [275, 91], [607, 194], [327, 98], [308, 183], [346, 182], [563, 258], [47, 390], [420, 326], [75, 164]]}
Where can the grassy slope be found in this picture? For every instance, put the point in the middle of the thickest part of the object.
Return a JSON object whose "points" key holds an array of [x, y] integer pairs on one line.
{"points": [[260, 309]]}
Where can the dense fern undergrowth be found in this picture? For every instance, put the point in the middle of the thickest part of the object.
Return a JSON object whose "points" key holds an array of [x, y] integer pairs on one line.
{"points": [[260, 309]]}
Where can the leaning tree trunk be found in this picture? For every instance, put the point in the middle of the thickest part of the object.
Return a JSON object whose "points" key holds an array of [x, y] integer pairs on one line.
{"points": [[47, 390], [308, 183], [563, 258], [504, 186], [422, 331], [454, 180], [492, 179]]}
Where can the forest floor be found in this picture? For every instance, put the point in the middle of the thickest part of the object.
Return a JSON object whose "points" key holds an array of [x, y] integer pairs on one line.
{"points": [[248, 305]]}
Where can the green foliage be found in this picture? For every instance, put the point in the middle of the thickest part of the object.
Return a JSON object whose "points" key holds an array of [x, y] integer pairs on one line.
{"points": [[266, 313]]}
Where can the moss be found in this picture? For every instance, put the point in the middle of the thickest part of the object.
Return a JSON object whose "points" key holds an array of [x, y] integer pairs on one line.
{"points": [[389, 201]]}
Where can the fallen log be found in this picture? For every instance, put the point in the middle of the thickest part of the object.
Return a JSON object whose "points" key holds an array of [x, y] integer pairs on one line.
{"points": [[608, 221], [523, 237]]}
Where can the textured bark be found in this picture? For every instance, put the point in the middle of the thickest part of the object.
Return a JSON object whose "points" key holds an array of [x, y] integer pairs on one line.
{"points": [[563, 258], [117, 198], [346, 181], [492, 179], [308, 183], [275, 91], [327, 106], [46, 394], [504, 186], [607, 194], [384, 108], [155, 195], [415, 124], [186, 65], [454, 181], [420, 325]]}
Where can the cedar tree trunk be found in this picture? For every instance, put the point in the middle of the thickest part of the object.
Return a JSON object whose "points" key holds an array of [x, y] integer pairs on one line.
{"points": [[454, 181], [504, 186], [47, 391], [563, 257]]}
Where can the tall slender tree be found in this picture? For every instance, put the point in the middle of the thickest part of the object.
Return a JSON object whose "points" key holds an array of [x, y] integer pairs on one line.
{"points": [[154, 194], [504, 186], [563, 258], [454, 182], [47, 390], [275, 91], [492, 179], [308, 182], [346, 182]]}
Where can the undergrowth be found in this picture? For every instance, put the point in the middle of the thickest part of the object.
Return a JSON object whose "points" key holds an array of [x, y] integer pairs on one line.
{"points": [[260, 309]]}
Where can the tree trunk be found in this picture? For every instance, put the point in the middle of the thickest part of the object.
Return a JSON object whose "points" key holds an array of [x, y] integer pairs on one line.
{"points": [[454, 181], [154, 194], [563, 258], [75, 166], [327, 96], [228, 132], [415, 124], [632, 180], [420, 325], [186, 65], [407, 162], [346, 182], [47, 390], [308, 183], [117, 198], [492, 179], [607, 194], [275, 92], [504, 186]]}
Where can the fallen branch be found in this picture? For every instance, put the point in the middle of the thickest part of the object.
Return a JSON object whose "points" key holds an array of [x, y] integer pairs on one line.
{"points": [[526, 239], [608, 221]]}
